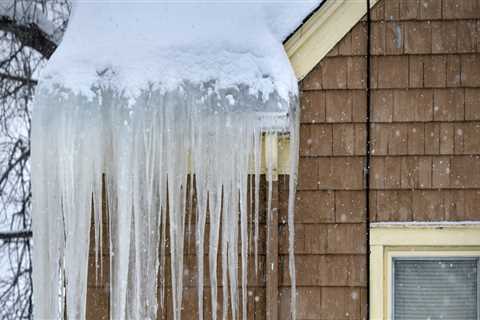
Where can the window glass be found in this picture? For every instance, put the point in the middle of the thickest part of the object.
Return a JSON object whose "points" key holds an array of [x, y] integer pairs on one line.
{"points": [[439, 288]]}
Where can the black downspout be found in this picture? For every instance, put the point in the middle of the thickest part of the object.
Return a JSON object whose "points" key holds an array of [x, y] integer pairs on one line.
{"points": [[367, 158]]}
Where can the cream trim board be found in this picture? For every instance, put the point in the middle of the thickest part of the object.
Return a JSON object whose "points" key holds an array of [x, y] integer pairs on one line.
{"points": [[377, 274], [321, 32], [425, 235], [277, 149], [424, 224], [428, 241]]}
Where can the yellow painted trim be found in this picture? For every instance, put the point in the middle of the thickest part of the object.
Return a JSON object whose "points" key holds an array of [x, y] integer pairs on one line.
{"points": [[271, 154], [283, 154], [321, 32], [376, 282], [276, 146], [411, 239], [426, 235]]}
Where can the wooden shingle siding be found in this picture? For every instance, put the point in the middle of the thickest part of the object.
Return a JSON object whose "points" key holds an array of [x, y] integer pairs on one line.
{"points": [[425, 133], [330, 210]]}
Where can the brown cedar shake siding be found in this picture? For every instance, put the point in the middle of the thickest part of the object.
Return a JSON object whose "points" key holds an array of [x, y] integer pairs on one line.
{"points": [[425, 164]]}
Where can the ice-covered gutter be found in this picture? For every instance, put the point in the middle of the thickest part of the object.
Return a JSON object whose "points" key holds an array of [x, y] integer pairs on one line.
{"points": [[150, 99]]}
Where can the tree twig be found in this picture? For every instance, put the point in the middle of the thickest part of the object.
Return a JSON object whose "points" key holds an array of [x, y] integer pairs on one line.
{"points": [[30, 35], [13, 235], [17, 78]]}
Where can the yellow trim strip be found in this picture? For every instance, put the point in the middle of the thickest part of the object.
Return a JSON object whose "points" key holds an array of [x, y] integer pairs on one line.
{"points": [[271, 154], [276, 146], [425, 235]]}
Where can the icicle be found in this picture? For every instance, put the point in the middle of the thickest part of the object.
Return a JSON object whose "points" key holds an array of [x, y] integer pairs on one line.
{"points": [[292, 187], [215, 211], [243, 164], [198, 159], [162, 263], [47, 227], [257, 160], [162, 207], [232, 244], [225, 240], [149, 154], [177, 168]]}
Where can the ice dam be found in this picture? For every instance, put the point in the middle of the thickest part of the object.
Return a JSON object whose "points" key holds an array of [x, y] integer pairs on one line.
{"points": [[149, 107]]}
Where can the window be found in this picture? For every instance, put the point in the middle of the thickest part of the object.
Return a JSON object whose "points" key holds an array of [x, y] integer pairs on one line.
{"points": [[425, 271]]}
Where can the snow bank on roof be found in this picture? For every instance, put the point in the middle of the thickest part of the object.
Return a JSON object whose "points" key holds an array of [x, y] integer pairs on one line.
{"points": [[230, 43]]}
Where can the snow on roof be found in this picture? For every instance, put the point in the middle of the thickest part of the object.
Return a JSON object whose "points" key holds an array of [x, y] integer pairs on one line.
{"points": [[231, 43]]}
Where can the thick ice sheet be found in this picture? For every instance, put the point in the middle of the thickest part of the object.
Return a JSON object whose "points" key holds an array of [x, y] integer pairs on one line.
{"points": [[147, 152]]}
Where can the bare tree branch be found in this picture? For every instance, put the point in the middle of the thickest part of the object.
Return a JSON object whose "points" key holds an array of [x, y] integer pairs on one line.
{"points": [[13, 235], [4, 76], [30, 35]]}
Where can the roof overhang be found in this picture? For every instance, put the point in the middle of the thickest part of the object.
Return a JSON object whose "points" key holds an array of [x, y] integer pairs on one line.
{"points": [[306, 47], [322, 31]]}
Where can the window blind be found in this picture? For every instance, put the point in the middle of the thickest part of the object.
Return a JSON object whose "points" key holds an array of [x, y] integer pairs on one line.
{"points": [[440, 288]]}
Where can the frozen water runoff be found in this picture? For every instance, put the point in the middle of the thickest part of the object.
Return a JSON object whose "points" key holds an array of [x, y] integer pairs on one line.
{"points": [[143, 103]]}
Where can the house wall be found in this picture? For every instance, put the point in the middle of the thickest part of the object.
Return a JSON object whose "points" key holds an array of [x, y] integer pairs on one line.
{"points": [[330, 217], [425, 164]]}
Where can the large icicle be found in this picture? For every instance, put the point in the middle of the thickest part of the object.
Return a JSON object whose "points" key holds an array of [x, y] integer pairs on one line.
{"points": [[292, 188], [146, 135], [146, 152]]}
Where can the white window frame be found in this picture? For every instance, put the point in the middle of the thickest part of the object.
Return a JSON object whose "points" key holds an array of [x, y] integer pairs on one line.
{"points": [[413, 239]]}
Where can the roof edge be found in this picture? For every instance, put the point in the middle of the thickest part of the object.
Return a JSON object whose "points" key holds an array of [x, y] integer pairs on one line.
{"points": [[322, 31]]}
